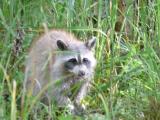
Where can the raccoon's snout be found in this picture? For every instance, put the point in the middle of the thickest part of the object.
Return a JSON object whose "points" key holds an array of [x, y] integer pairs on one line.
{"points": [[81, 73]]}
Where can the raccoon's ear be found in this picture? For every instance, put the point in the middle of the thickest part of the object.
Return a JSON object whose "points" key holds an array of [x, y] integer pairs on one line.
{"points": [[91, 43], [61, 45]]}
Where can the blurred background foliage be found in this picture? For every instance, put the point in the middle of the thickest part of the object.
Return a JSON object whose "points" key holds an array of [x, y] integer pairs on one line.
{"points": [[127, 78]]}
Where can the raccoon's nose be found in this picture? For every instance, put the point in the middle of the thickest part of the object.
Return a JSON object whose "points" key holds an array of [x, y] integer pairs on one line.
{"points": [[81, 73]]}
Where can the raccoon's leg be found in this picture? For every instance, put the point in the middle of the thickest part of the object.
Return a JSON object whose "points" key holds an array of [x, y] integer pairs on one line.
{"points": [[80, 96]]}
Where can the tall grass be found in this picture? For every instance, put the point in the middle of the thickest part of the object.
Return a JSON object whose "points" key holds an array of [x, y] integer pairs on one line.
{"points": [[126, 84]]}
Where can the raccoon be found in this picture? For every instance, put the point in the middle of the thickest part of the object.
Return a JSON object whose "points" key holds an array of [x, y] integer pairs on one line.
{"points": [[56, 62]]}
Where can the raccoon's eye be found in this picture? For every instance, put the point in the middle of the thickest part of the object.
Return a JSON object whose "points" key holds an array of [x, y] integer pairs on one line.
{"points": [[73, 61], [86, 61], [70, 63]]}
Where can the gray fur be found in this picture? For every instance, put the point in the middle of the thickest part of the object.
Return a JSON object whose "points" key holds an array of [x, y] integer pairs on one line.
{"points": [[46, 71]]}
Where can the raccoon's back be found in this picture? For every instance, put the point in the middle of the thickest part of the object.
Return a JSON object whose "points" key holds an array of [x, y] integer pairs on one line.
{"points": [[48, 40]]}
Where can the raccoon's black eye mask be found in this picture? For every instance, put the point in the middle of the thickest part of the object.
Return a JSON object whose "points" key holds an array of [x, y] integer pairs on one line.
{"points": [[86, 61], [71, 63]]}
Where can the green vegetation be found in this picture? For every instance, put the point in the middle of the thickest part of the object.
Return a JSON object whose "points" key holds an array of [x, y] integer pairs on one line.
{"points": [[127, 78]]}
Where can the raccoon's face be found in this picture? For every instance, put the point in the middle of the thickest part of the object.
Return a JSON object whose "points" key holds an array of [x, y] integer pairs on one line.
{"points": [[81, 65], [81, 62]]}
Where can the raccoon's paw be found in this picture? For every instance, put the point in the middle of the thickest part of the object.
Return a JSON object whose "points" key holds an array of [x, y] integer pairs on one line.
{"points": [[83, 107], [79, 108], [70, 108]]}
